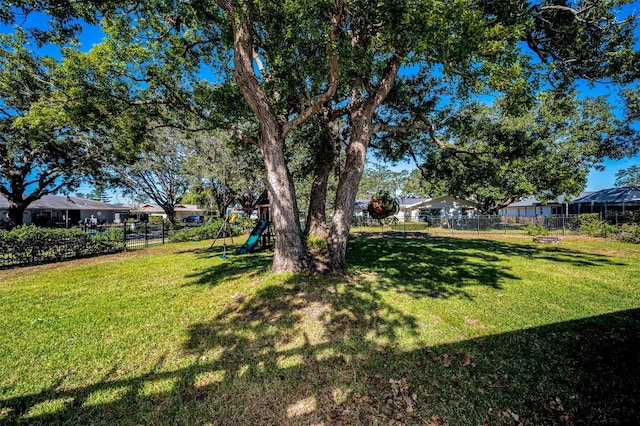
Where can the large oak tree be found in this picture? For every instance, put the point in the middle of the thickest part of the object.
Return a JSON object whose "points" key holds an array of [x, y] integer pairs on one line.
{"points": [[287, 60], [40, 156], [497, 158]]}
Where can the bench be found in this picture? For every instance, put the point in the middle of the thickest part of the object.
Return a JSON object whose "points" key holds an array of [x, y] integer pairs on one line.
{"points": [[547, 240]]}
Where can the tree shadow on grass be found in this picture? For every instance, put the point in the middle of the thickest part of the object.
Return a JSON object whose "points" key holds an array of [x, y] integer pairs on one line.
{"points": [[434, 267], [443, 267], [438, 267], [231, 267], [332, 350], [293, 356]]}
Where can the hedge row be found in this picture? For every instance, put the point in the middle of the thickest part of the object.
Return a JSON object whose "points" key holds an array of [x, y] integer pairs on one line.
{"points": [[27, 245]]}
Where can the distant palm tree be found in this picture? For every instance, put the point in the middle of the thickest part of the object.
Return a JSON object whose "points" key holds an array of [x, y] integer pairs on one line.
{"points": [[628, 177]]}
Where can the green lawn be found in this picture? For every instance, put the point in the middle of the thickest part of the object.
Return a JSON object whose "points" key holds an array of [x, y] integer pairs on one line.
{"points": [[458, 331]]}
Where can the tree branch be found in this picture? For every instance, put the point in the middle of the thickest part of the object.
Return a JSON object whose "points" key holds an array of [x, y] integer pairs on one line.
{"points": [[337, 17], [572, 11], [386, 82]]}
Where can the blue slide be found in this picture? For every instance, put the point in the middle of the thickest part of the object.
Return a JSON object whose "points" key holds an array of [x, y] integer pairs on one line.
{"points": [[254, 237]]}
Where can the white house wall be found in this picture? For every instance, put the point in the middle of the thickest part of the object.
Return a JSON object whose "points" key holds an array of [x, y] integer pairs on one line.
{"points": [[526, 211], [446, 206]]}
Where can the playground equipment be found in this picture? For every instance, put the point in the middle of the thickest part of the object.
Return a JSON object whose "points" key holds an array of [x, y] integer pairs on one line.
{"points": [[224, 231], [254, 237], [261, 233]]}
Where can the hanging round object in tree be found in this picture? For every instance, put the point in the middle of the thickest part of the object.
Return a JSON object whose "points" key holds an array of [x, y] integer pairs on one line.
{"points": [[382, 205]]}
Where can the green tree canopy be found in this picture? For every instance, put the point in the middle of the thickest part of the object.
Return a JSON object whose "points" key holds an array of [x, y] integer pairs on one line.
{"points": [[380, 178], [39, 154], [497, 158], [225, 172], [279, 63], [629, 176], [159, 174]]}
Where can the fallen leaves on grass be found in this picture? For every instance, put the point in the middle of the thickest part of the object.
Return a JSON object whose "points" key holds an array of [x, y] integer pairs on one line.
{"points": [[556, 405], [390, 402], [447, 360], [436, 421], [467, 361]]}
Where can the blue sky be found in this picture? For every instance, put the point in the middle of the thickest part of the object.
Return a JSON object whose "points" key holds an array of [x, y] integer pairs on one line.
{"points": [[606, 179]]}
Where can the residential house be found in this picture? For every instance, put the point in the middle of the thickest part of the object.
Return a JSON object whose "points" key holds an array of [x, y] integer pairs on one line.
{"points": [[422, 209], [61, 210], [531, 207], [608, 202], [181, 211]]}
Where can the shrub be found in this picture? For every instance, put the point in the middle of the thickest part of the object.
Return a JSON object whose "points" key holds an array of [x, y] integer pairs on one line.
{"points": [[316, 242], [199, 233], [156, 220], [245, 223], [592, 225], [535, 229], [411, 226], [629, 233], [28, 244], [111, 233], [631, 217]]}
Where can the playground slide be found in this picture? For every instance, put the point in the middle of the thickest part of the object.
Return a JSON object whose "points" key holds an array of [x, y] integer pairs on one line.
{"points": [[254, 237]]}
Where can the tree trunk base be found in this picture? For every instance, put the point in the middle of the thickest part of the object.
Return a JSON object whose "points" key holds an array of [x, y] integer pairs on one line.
{"points": [[319, 261]]}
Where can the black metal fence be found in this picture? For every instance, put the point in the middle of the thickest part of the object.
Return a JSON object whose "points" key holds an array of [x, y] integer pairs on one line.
{"points": [[554, 225], [35, 245], [133, 234], [32, 245], [558, 225]]}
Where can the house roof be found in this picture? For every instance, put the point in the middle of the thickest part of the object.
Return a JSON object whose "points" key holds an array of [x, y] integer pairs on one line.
{"points": [[437, 202], [532, 201], [154, 208], [262, 200], [62, 202], [404, 202], [626, 194], [414, 203]]}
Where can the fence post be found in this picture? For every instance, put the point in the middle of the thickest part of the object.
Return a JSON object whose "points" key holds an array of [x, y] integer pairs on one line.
{"points": [[124, 234], [162, 230], [478, 224], [146, 240]]}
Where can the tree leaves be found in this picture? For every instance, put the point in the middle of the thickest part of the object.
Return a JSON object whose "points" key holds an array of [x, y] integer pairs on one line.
{"points": [[497, 157]]}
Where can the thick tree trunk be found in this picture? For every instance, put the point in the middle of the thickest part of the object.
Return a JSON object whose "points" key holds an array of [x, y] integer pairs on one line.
{"points": [[361, 115], [346, 194], [290, 252], [169, 210], [316, 224], [16, 212]]}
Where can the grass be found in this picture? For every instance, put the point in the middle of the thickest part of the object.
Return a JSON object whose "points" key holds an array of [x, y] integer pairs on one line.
{"points": [[457, 331]]}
